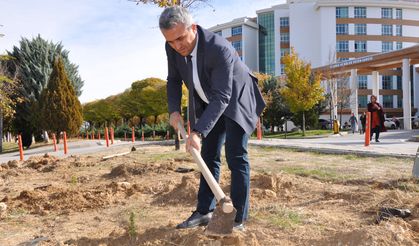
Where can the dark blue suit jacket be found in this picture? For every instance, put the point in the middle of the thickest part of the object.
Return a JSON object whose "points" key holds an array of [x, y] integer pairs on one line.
{"points": [[227, 82]]}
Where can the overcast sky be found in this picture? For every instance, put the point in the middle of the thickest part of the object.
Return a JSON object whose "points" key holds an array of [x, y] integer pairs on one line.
{"points": [[114, 42]]}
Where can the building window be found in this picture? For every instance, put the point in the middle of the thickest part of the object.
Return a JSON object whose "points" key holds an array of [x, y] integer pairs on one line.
{"points": [[237, 45], [362, 101], [284, 22], [360, 29], [285, 37], [267, 59], [399, 30], [387, 13], [400, 102], [399, 14], [399, 45], [360, 46], [387, 82], [342, 46], [342, 29], [219, 33], [282, 68], [362, 82], [235, 31], [342, 12], [387, 46], [284, 52], [388, 101], [387, 30], [399, 82], [360, 12]]}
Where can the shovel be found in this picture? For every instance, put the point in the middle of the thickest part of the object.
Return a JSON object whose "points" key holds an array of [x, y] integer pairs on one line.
{"points": [[415, 171], [224, 214]]}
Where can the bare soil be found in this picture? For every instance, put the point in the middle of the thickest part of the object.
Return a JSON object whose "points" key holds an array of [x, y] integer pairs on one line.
{"points": [[297, 198]]}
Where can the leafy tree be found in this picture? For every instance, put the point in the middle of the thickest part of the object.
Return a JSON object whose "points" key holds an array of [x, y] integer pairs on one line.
{"points": [[59, 106], [33, 63], [302, 89], [168, 3]]}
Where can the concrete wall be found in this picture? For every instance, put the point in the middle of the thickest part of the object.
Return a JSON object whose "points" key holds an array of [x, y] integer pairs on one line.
{"points": [[249, 47]]}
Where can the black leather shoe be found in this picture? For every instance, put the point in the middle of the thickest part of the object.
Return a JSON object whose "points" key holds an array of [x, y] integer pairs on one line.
{"points": [[239, 226], [196, 219]]}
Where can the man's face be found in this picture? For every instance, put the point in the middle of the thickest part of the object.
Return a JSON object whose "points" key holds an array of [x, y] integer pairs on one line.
{"points": [[181, 39]]}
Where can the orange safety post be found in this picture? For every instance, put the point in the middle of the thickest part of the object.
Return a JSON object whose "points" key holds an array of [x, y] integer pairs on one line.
{"points": [[189, 128], [259, 130], [132, 134], [107, 137], [65, 143], [142, 135], [20, 147], [93, 135], [87, 135], [54, 140], [98, 135], [368, 129], [112, 135], [167, 135]]}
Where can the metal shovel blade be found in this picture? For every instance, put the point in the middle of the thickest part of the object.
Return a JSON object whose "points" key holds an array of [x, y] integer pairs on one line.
{"points": [[221, 223], [415, 171]]}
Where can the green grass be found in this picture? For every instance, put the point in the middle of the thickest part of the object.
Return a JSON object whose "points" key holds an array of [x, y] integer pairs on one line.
{"points": [[277, 216], [309, 133], [323, 174], [13, 147]]}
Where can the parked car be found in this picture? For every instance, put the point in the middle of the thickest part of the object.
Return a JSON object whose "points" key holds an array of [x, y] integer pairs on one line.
{"points": [[325, 124], [389, 124]]}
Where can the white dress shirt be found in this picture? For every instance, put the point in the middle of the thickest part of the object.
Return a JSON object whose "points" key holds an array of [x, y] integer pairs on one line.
{"points": [[196, 82]]}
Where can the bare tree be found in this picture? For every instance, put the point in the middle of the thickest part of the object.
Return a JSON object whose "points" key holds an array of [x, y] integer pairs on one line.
{"points": [[189, 4]]}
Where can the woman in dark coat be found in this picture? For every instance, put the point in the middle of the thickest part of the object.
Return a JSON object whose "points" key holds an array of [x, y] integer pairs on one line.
{"points": [[377, 118]]}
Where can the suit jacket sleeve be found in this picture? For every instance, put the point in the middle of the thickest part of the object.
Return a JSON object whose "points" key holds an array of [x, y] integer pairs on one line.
{"points": [[221, 77], [174, 82]]}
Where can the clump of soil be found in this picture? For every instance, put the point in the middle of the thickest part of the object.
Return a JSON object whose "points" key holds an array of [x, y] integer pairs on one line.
{"points": [[183, 193], [46, 163], [170, 236], [43, 199], [267, 186], [129, 170]]}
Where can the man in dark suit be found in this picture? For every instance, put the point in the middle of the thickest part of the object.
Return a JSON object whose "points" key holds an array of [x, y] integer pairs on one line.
{"points": [[224, 106]]}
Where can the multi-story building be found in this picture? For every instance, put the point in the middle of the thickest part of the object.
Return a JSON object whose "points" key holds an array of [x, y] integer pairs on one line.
{"points": [[328, 31], [243, 34]]}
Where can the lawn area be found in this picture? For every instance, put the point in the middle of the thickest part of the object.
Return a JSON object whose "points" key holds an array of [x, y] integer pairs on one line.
{"points": [[12, 147], [309, 133]]}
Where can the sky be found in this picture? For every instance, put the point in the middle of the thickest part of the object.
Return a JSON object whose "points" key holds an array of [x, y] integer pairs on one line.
{"points": [[114, 42]]}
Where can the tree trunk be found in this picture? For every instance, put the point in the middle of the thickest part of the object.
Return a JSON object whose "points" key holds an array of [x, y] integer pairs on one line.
{"points": [[304, 124], [1, 130]]}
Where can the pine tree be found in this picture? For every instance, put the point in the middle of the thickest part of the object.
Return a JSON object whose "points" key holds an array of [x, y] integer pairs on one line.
{"points": [[60, 109]]}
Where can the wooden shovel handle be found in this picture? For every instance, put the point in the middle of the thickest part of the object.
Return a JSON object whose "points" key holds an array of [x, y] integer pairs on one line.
{"points": [[212, 183]]}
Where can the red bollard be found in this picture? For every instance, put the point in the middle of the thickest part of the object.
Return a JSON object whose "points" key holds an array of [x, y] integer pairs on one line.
{"points": [[93, 135], [65, 143], [54, 140], [112, 135], [87, 135], [133, 134], [142, 135], [167, 135], [98, 135], [259, 130], [189, 128], [368, 129], [20, 147], [107, 137]]}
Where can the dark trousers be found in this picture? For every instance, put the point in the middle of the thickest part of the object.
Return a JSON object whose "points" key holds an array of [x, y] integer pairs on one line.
{"points": [[235, 138], [375, 130]]}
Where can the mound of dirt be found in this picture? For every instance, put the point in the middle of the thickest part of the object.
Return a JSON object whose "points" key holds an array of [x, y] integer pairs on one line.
{"points": [[129, 170], [183, 193], [267, 186], [394, 232], [43, 200], [170, 236], [46, 163]]}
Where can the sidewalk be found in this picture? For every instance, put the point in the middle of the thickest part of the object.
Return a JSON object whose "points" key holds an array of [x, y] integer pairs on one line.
{"points": [[392, 143]]}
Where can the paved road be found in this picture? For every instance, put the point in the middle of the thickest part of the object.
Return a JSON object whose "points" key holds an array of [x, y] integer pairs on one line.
{"points": [[392, 143]]}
